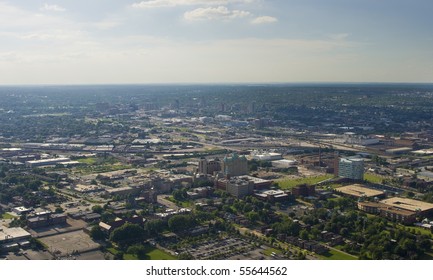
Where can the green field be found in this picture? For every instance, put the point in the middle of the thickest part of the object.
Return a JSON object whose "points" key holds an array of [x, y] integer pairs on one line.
{"points": [[157, 254], [269, 251], [152, 253], [336, 255], [7, 216], [89, 160], [290, 183], [372, 178]]}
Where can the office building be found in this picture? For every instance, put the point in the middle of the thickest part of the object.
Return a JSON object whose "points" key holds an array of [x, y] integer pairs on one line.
{"points": [[351, 168]]}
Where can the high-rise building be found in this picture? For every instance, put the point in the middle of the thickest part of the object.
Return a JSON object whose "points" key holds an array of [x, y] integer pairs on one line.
{"points": [[351, 168], [234, 165]]}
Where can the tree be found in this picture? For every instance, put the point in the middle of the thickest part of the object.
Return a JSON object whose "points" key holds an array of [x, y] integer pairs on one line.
{"points": [[97, 209], [138, 250], [156, 226], [181, 222], [303, 234], [253, 217], [127, 234], [96, 233]]}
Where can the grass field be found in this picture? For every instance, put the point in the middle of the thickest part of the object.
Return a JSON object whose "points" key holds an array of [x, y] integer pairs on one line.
{"points": [[269, 251], [336, 255], [89, 160], [290, 183], [7, 216], [157, 254], [152, 253], [372, 178]]}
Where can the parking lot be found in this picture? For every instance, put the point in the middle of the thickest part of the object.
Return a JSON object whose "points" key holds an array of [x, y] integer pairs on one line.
{"points": [[221, 249]]}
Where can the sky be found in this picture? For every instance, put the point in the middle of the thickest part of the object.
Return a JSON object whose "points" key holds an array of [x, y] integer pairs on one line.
{"points": [[215, 41]]}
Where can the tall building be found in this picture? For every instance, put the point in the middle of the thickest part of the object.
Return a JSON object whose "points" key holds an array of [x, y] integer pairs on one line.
{"points": [[234, 165], [209, 166], [351, 168]]}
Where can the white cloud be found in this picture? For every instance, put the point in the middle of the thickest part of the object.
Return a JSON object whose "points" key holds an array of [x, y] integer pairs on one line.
{"points": [[264, 19], [173, 3], [52, 8], [214, 13]]}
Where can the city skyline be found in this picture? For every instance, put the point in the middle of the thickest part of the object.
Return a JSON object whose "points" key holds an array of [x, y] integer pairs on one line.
{"points": [[216, 41]]}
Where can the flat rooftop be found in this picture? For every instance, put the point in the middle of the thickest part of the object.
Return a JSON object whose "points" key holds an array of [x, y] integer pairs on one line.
{"points": [[254, 179], [12, 233], [358, 190], [408, 204]]}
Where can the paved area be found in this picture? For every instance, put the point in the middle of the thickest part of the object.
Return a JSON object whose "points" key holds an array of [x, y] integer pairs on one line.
{"points": [[67, 243]]}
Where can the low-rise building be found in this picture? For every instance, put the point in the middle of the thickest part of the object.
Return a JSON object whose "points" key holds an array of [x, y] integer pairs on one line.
{"points": [[272, 195], [358, 191], [46, 162], [11, 238], [44, 219], [388, 211]]}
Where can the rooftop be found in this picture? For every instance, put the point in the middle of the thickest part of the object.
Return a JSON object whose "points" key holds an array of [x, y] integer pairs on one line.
{"points": [[358, 190], [12, 233], [408, 204]]}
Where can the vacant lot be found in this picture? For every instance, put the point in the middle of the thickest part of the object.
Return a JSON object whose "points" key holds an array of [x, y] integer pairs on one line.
{"points": [[290, 183]]}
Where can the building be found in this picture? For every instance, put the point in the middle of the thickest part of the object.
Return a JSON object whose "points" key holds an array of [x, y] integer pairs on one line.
{"points": [[304, 190], [122, 191], [108, 228], [239, 187], [413, 205], [267, 156], [209, 166], [46, 162], [358, 191], [259, 183], [284, 163], [21, 210], [351, 168], [272, 195], [11, 238], [44, 219], [234, 165], [398, 151], [426, 176], [390, 212]]}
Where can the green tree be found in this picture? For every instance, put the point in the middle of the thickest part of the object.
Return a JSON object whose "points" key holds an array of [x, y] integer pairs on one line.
{"points": [[181, 222], [96, 233], [127, 234], [97, 209], [138, 250]]}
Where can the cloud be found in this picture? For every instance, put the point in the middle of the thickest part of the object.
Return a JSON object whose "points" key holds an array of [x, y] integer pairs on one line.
{"points": [[215, 13], [173, 3], [52, 8], [264, 19]]}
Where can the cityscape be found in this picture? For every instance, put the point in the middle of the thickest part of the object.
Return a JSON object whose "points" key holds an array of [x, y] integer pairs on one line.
{"points": [[216, 172]]}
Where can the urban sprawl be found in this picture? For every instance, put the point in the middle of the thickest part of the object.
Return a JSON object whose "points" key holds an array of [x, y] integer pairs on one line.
{"points": [[216, 172]]}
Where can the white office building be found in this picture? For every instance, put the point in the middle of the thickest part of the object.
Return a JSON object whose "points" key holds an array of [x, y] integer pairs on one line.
{"points": [[351, 168]]}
